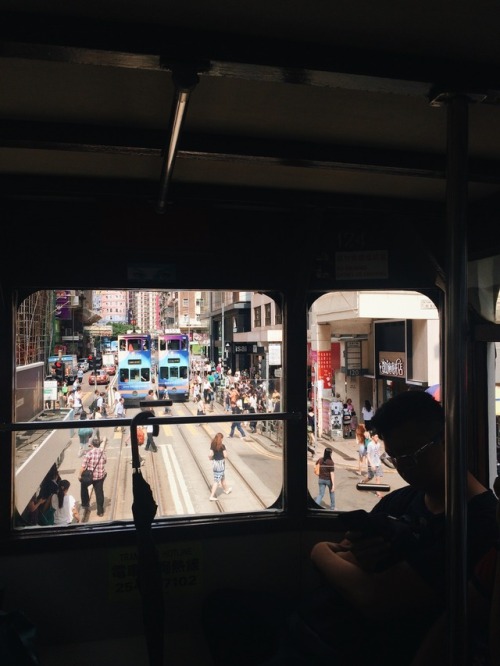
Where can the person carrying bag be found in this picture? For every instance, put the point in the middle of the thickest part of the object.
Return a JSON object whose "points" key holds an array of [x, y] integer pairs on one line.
{"points": [[93, 473]]}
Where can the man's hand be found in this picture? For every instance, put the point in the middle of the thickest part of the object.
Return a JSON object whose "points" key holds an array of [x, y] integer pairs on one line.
{"points": [[372, 553]]}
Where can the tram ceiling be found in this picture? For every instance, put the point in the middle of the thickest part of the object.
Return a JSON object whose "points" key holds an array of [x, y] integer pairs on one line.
{"points": [[91, 102]]}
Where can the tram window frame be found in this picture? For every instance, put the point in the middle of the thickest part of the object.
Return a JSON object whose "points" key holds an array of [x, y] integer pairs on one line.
{"points": [[294, 464], [360, 331], [275, 505]]}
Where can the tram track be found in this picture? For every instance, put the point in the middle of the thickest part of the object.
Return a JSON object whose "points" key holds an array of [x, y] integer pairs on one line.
{"points": [[122, 492], [207, 476], [166, 473]]}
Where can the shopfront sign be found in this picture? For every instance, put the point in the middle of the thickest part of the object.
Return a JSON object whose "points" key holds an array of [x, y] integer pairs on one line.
{"points": [[392, 364]]}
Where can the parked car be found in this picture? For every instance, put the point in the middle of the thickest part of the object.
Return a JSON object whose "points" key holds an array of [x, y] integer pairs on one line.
{"points": [[101, 377], [83, 364], [110, 369]]}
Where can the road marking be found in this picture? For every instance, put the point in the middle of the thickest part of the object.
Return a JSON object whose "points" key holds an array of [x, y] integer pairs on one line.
{"points": [[176, 478]]}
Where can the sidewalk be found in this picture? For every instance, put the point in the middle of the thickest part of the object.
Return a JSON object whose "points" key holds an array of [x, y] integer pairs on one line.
{"points": [[344, 455]]}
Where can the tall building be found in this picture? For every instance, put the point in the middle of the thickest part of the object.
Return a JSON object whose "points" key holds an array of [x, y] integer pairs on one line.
{"points": [[111, 305]]}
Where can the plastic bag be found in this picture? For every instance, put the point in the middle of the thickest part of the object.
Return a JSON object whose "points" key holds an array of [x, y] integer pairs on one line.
{"points": [[140, 435]]}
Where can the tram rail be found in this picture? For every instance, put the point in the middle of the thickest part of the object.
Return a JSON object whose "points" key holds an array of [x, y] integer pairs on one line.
{"points": [[166, 470], [243, 482]]}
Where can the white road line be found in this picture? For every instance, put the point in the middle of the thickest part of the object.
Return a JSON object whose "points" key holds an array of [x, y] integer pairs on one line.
{"points": [[175, 477]]}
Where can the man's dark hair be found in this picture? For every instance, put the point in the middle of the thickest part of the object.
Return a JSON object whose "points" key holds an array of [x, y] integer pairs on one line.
{"points": [[411, 406]]}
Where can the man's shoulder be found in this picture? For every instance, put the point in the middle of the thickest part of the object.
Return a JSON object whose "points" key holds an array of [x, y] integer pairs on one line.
{"points": [[397, 501]]}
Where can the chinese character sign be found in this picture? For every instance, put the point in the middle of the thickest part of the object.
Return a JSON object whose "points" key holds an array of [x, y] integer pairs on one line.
{"points": [[325, 368]]}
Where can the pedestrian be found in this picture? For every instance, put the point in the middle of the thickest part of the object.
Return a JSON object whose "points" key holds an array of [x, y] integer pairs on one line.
{"points": [[120, 413], [64, 505], [101, 404], [64, 394], [94, 460], [236, 425], [85, 432], [49, 486], [252, 409], [150, 440], [227, 399], [346, 420], [207, 391], [326, 478], [276, 401], [163, 395], [116, 396], [94, 404], [211, 396], [149, 398], [367, 412], [374, 462], [311, 421], [311, 432], [234, 394], [362, 440], [218, 455], [78, 403], [50, 482], [200, 406], [31, 513]]}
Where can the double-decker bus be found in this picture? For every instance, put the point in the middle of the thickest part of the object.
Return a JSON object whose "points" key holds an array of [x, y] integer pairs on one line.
{"points": [[135, 374], [174, 365]]}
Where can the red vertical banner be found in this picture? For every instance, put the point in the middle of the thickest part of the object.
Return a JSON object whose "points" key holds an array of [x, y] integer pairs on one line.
{"points": [[336, 364], [325, 368]]}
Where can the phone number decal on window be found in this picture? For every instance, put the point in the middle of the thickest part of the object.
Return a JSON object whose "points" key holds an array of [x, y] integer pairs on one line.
{"points": [[180, 566]]}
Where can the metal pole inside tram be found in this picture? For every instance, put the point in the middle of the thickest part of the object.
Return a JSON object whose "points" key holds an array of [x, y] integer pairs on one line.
{"points": [[455, 329]]}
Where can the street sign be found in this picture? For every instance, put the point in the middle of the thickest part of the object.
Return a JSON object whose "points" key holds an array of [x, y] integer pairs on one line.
{"points": [[50, 389]]}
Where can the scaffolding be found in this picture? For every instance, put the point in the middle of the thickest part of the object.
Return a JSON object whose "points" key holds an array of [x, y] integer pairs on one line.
{"points": [[35, 328]]}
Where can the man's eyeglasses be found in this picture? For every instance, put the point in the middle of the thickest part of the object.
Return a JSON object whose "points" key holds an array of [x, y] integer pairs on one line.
{"points": [[411, 459]]}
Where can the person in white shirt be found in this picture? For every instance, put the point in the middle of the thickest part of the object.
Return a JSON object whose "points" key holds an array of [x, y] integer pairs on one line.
{"points": [[78, 404], [367, 412], [64, 505], [120, 412], [117, 396], [373, 451]]}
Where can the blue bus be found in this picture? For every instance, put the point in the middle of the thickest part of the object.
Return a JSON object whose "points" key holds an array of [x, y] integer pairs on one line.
{"points": [[135, 373], [174, 365]]}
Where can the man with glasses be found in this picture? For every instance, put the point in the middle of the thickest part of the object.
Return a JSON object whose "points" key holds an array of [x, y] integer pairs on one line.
{"points": [[389, 570]]}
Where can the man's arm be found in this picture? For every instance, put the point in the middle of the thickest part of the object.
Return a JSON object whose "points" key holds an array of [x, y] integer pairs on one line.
{"points": [[394, 590]]}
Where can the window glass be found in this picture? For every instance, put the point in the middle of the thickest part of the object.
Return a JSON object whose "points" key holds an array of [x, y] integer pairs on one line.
{"points": [[364, 347], [215, 355]]}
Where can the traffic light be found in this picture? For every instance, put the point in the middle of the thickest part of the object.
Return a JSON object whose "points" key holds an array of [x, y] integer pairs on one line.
{"points": [[92, 363], [60, 371]]}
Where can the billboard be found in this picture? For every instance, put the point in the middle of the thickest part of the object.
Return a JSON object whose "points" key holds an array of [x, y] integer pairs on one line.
{"points": [[63, 304]]}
